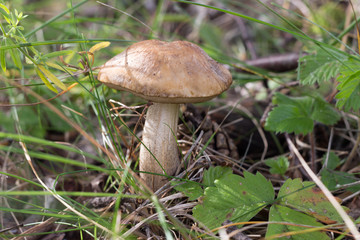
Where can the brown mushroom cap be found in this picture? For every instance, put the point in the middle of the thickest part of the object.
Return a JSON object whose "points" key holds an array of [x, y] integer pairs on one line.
{"points": [[166, 72]]}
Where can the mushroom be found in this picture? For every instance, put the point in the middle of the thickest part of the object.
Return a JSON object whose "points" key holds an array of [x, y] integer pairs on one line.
{"points": [[167, 74]]}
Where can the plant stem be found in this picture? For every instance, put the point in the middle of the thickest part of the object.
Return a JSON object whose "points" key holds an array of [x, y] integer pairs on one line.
{"points": [[312, 151], [159, 152]]}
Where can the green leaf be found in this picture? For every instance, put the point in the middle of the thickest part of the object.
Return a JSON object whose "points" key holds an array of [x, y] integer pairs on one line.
{"points": [[349, 86], [45, 81], [333, 160], [307, 198], [15, 55], [323, 112], [297, 114], [4, 11], [291, 115], [2, 56], [235, 198], [322, 66], [52, 77], [210, 217], [192, 190], [214, 173], [332, 178], [280, 213], [4, 8], [278, 165]]}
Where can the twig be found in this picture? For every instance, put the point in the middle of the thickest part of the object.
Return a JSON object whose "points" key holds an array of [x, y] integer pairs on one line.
{"points": [[275, 63]]}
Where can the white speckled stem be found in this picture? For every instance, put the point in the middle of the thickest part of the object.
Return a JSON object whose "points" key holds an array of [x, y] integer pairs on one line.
{"points": [[159, 138]]}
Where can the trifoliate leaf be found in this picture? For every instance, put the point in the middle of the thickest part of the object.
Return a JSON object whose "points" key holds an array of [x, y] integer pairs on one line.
{"points": [[321, 66], [291, 115], [307, 198], [235, 198], [194, 190], [297, 114], [285, 214], [278, 165]]}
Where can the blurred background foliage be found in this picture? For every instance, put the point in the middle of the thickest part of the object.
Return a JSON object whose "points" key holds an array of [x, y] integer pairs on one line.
{"points": [[227, 38], [56, 36]]}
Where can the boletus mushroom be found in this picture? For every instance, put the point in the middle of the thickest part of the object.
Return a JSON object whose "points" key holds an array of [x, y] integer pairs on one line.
{"points": [[167, 74]]}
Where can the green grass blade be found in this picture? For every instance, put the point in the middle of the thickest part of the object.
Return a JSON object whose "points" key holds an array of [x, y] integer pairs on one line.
{"points": [[54, 158], [53, 42], [43, 142]]}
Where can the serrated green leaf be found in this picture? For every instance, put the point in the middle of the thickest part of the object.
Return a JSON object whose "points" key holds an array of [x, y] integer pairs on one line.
{"points": [[307, 198], [210, 217], [297, 114], [349, 86], [280, 213], [235, 198], [303, 103], [278, 165], [324, 113], [321, 66], [291, 115], [213, 173], [192, 190], [2, 56]]}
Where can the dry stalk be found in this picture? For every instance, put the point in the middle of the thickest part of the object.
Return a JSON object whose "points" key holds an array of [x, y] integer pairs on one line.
{"points": [[347, 220]]}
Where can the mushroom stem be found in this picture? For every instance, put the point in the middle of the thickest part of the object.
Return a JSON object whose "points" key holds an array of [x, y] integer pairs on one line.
{"points": [[159, 138]]}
